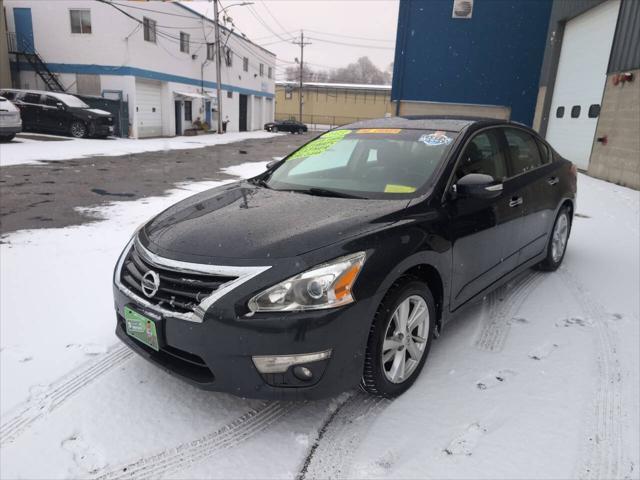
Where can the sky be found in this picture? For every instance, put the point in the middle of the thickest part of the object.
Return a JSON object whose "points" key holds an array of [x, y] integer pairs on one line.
{"points": [[274, 24]]}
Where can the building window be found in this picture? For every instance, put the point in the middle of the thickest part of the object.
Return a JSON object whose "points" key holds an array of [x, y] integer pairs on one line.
{"points": [[187, 110], [80, 21], [262, 69], [575, 111], [149, 29], [288, 94], [245, 64], [184, 42], [229, 94], [559, 112], [594, 110], [211, 51], [270, 72], [228, 57]]}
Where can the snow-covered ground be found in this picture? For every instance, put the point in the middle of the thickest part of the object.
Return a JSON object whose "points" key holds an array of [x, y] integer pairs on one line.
{"points": [[27, 150], [540, 380]]}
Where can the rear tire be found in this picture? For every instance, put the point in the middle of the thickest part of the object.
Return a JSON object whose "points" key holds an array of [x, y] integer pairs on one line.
{"points": [[7, 138], [395, 354], [557, 246], [78, 130]]}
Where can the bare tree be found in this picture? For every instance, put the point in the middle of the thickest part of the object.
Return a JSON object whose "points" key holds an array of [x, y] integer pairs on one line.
{"points": [[362, 70]]}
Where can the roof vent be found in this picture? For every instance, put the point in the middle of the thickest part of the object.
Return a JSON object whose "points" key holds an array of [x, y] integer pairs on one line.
{"points": [[462, 9]]}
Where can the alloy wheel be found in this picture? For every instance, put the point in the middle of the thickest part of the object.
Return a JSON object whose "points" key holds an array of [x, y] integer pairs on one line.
{"points": [[559, 237], [405, 339], [78, 130]]}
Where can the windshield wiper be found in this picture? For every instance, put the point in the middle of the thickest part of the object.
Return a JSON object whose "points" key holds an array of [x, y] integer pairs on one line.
{"points": [[323, 192], [261, 182]]}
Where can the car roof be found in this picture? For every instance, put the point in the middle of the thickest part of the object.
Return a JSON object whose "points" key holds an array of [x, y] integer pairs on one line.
{"points": [[425, 122]]}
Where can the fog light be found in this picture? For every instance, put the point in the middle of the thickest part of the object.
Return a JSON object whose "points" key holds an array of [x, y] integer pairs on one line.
{"points": [[303, 373], [281, 363]]}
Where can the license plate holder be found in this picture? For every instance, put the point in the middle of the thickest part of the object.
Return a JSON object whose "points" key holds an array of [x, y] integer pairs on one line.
{"points": [[143, 328]]}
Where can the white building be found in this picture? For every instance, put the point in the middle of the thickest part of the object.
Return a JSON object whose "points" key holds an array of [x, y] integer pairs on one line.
{"points": [[159, 56]]}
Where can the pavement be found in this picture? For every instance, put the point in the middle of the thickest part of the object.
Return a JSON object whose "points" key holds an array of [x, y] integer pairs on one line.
{"points": [[51, 193]]}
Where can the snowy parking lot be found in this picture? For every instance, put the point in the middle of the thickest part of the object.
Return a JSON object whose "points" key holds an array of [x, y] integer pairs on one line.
{"points": [[538, 380]]}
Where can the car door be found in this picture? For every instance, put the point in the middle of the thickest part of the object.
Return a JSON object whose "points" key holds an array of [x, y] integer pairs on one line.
{"points": [[481, 229], [52, 116], [534, 173], [29, 104]]}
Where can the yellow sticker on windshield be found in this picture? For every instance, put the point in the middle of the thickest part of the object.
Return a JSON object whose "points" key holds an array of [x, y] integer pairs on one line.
{"points": [[320, 145], [398, 189], [379, 130]]}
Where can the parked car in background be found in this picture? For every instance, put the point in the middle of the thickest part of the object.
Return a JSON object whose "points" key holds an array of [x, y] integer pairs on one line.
{"points": [[292, 126], [10, 121], [54, 112], [339, 264]]}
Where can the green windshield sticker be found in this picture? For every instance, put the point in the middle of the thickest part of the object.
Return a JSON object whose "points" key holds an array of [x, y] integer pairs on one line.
{"points": [[320, 145]]}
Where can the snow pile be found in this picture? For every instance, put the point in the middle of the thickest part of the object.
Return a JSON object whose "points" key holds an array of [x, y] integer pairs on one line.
{"points": [[540, 380], [21, 150]]}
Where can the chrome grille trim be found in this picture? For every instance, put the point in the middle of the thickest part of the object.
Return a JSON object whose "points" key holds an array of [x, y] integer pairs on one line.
{"points": [[243, 275]]}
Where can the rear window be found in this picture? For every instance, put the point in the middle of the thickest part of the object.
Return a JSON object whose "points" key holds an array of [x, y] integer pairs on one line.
{"points": [[31, 98], [368, 163]]}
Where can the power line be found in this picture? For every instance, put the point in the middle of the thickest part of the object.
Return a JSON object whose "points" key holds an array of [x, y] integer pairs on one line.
{"points": [[264, 4], [377, 47], [349, 36]]}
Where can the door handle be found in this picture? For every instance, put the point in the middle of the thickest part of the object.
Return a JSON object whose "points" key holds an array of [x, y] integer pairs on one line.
{"points": [[515, 201], [552, 180]]}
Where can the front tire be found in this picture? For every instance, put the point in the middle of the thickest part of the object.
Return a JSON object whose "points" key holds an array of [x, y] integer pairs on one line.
{"points": [[399, 339], [274, 129], [78, 130], [558, 240]]}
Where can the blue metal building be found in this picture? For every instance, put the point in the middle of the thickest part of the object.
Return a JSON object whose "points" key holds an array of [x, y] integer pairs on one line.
{"points": [[487, 52]]}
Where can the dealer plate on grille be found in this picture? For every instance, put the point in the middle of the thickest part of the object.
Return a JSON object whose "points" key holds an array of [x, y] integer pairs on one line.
{"points": [[141, 328]]}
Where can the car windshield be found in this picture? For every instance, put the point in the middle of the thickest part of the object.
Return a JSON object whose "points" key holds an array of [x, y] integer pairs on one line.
{"points": [[367, 163], [71, 101]]}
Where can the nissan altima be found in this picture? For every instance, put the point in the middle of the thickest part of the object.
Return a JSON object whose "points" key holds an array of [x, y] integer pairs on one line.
{"points": [[341, 263]]}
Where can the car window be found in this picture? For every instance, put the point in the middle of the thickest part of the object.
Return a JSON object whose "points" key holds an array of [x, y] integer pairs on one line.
{"points": [[31, 98], [9, 95], [523, 151], [48, 100], [483, 155], [545, 153], [367, 162]]}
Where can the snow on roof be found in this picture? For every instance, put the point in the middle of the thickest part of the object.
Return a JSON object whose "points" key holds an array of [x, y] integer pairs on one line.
{"points": [[360, 86]]}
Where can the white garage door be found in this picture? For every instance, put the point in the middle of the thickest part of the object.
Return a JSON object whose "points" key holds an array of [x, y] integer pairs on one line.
{"points": [[580, 81], [149, 108], [257, 113]]}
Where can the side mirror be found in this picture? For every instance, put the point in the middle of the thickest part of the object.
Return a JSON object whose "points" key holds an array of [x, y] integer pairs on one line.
{"points": [[478, 185], [60, 106]]}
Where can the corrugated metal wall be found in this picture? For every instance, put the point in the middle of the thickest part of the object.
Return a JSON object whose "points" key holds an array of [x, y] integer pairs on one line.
{"points": [[625, 54]]}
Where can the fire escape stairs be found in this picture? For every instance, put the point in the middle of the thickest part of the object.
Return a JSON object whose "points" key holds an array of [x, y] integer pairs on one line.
{"points": [[22, 48]]}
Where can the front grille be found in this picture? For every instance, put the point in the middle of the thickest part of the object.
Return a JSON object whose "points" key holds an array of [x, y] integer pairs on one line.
{"points": [[178, 291], [106, 121]]}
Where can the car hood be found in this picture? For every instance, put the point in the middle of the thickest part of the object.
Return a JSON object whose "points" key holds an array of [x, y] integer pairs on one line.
{"points": [[94, 112], [243, 221]]}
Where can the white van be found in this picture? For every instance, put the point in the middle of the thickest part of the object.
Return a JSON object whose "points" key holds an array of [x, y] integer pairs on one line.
{"points": [[10, 120]]}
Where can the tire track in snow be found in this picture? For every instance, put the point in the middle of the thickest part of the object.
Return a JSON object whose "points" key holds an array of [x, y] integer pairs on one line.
{"points": [[502, 305], [603, 453], [39, 405], [182, 456], [340, 436]]}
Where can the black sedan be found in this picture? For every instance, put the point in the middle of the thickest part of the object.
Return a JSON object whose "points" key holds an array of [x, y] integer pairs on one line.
{"points": [[292, 126], [341, 263], [61, 113]]}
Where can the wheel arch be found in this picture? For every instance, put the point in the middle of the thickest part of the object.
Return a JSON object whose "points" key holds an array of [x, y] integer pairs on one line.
{"points": [[431, 276]]}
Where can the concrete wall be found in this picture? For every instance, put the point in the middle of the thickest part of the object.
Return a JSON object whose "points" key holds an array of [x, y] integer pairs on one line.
{"points": [[619, 160]]}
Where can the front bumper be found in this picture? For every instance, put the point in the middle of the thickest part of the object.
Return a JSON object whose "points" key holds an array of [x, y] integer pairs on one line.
{"points": [[101, 130], [217, 353]]}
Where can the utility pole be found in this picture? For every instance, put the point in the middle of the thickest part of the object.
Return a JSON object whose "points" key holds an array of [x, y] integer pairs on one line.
{"points": [[218, 63], [302, 45]]}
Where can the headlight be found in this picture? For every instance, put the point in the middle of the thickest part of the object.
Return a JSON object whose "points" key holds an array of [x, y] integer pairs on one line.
{"points": [[326, 286]]}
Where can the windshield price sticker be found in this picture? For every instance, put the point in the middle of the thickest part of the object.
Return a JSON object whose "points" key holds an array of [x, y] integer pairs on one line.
{"points": [[436, 139], [320, 145], [393, 131], [390, 188]]}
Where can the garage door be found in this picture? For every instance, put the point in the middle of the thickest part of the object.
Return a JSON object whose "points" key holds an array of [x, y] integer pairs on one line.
{"points": [[257, 113], [580, 81], [149, 108]]}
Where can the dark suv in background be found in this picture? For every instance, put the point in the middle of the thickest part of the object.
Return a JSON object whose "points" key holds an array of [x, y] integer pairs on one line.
{"points": [[55, 112], [292, 126]]}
